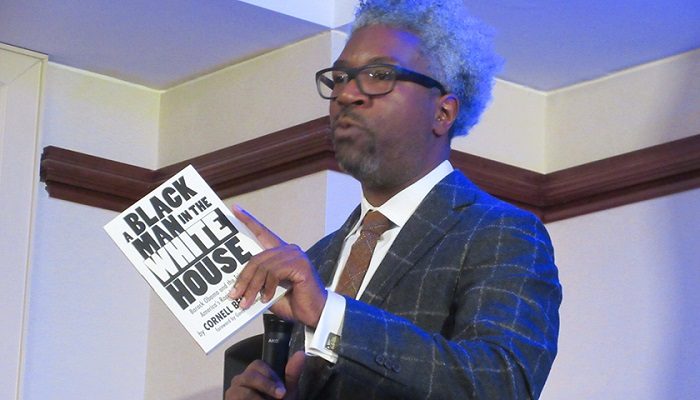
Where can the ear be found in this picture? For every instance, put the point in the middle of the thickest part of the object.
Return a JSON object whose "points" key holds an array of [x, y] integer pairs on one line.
{"points": [[445, 115]]}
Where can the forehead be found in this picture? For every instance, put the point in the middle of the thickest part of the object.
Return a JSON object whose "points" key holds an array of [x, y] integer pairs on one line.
{"points": [[379, 43]]}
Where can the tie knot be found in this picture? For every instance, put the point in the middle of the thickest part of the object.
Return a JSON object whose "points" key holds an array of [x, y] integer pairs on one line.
{"points": [[376, 223]]}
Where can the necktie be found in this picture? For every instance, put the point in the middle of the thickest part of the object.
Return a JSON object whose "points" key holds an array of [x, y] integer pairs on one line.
{"points": [[373, 225]]}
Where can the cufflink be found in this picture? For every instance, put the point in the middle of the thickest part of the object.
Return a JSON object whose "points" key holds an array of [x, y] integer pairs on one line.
{"points": [[333, 342]]}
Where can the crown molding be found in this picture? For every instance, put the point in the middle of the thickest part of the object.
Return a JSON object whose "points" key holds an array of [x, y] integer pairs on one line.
{"points": [[304, 149]]}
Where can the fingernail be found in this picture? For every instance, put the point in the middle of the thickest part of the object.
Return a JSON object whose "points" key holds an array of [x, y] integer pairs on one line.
{"points": [[279, 392]]}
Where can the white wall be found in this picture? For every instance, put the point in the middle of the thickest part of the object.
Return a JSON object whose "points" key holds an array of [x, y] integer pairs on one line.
{"points": [[512, 130], [101, 116], [630, 274], [88, 311], [342, 196], [245, 101], [630, 110], [626, 111], [21, 74], [630, 326]]}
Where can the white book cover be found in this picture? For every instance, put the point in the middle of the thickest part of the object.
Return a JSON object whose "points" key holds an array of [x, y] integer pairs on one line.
{"points": [[190, 248]]}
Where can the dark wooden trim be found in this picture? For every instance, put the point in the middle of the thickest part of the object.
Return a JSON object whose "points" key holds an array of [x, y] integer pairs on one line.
{"points": [[304, 149], [91, 180], [627, 178], [515, 185], [264, 161]]}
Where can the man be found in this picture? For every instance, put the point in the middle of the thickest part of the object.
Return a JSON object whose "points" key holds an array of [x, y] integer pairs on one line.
{"points": [[461, 295]]}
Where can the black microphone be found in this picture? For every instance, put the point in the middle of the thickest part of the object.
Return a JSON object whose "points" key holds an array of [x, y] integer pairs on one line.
{"points": [[275, 347]]}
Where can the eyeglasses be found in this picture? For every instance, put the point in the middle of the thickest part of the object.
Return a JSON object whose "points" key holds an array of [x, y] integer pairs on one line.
{"points": [[372, 80]]}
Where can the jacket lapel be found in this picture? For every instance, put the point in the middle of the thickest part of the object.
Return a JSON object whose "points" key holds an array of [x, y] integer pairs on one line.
{"points": [[433, 218]]}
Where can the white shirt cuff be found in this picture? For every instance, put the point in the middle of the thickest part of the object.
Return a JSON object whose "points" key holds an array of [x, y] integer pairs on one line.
{"points": [[331, 322]]}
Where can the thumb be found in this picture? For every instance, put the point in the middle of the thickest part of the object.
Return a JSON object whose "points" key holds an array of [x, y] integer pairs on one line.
{"points": [[292, 372], [265, 236]]}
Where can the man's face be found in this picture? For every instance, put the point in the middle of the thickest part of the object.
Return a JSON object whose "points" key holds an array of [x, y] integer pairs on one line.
{"points": [[384, 141]]}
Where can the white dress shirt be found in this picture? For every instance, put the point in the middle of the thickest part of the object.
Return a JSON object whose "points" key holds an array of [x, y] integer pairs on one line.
{"points": [[398, 210]]}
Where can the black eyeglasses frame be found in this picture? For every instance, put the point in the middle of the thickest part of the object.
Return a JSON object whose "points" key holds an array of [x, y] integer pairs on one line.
{"points": [[400, 73]]}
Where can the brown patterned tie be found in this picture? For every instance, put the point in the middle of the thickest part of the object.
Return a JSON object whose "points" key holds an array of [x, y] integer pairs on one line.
{"points": [[355, 269]]}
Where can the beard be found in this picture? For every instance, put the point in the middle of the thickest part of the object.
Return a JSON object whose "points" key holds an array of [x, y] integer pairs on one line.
{"points": [[358, 158]]}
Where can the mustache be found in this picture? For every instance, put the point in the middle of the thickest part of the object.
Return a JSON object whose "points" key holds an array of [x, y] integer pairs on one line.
{"points": [[348, 114]]}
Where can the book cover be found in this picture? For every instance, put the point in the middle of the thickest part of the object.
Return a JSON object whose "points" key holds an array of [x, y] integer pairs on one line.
{"points": [[190, 248]]}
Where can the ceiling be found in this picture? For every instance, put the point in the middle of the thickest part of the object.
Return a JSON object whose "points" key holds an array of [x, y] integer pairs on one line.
{"points": [[547, 44]]}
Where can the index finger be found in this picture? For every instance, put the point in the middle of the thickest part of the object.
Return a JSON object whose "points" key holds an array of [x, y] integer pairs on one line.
{"points": [[265, 236]]}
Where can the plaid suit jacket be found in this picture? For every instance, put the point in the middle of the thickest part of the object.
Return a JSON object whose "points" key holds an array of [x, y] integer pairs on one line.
{"points": [[464, 305]]}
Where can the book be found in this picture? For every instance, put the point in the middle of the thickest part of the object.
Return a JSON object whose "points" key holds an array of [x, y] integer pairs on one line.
{"points": [[190, 249]]}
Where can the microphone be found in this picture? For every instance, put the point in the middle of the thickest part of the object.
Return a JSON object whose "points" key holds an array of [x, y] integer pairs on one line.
{"points": [[275, 347]]}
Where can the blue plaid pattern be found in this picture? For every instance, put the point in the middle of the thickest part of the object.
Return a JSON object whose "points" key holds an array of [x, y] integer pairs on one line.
{"points": [[463, 306]]}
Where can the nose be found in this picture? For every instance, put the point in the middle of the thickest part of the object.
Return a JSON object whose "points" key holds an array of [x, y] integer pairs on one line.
{"points": [[350, 94]]}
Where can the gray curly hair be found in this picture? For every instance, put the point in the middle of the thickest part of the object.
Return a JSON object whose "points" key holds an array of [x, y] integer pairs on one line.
{"points": [[459, 45]]}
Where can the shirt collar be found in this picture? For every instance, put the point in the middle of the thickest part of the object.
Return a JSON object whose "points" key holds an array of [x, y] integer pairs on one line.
{"points": [[401, 206]]}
